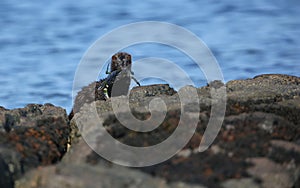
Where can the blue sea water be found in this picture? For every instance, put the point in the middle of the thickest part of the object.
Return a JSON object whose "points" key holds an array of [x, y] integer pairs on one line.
{"points": [[42, 43]]}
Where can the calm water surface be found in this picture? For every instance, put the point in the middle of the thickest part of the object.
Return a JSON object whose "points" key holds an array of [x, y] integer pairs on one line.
{"points": [[41, 43]]}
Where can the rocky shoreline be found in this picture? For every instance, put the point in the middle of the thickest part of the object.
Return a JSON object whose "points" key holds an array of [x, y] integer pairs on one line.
{"points": [[258, 144]]}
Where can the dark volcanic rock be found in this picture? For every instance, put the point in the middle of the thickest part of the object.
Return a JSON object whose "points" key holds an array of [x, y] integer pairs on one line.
{"points": [[32, 136], [151, 91], [90, 94], [6, 179], [258, 144], [87, 95]]}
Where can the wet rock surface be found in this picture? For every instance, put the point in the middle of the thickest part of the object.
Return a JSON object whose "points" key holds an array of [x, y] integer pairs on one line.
{"points": [[30, 137], [258, 144]]}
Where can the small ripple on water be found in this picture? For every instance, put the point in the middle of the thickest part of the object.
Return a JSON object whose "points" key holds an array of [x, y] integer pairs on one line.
{"points": [[42, 84], [57, 95]]}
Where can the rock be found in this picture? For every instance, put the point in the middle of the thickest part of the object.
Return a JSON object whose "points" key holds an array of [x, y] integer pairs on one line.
{"points": [[60, 176], [257, 143], [156, 90], [87, 95], [238, 183], [273, 174], [76, 171], [32, 136], [264, 93], [6, 179], [90, 93]]}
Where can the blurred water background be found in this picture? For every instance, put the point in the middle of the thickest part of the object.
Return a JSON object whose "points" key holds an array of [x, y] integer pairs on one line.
{"points": [[41, 43]]}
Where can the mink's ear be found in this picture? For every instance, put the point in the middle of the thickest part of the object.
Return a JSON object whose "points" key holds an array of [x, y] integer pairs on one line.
{"points": [[128, 58], [114, 62]]}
